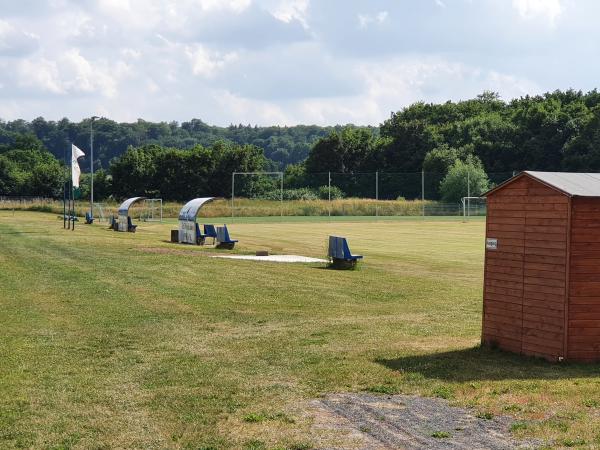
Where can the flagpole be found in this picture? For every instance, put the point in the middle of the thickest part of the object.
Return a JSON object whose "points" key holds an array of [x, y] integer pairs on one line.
{"points": [[71, 192], [92, 165], [65, 191], [69, 197], [65, 204], [73, 197]]}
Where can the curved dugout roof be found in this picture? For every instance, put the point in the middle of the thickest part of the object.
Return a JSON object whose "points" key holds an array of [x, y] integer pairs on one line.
{"points": [[124, 208], [191, 208]]}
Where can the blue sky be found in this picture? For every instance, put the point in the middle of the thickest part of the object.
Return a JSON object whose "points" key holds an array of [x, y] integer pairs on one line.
{"points": [[285, 61]]}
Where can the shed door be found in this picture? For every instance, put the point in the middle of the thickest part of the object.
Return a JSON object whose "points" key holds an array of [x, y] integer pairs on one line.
{"points": [[504, 266], [545, 269]]}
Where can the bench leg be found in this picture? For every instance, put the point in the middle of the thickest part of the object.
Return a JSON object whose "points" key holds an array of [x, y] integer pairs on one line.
{"points": [[343, 264]]}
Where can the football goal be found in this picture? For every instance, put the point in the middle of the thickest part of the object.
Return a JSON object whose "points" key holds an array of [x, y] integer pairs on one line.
{"points": [[473, 206], [152, 210]]}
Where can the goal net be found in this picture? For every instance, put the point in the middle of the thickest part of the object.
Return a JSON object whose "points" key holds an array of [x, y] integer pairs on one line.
{"points": [[100, 212], [256, 194], [152, 210], [473, 206]]}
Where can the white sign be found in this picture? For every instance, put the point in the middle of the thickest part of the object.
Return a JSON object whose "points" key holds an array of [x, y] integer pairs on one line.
{"points": [[123, 222], [187, 231], [491, 244]]}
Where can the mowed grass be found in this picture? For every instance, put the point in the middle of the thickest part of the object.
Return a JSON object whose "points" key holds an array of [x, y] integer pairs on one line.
{"points": [[125, 340]]}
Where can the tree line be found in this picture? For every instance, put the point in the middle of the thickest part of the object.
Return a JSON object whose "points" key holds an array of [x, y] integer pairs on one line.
{"points": [[557, 131], [281, 145]]}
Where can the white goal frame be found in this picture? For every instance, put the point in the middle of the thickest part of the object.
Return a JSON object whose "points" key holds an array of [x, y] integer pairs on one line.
{"points": [[280, 174], [153, 210], [466, 205], [99, 207]]}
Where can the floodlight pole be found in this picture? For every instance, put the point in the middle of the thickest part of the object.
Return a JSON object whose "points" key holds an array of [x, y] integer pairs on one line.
{"points": [[423, 192], [232, 193], [92, 165], [281, 197], [376, 193], [65, 191], [329, 191], [468, 193]]}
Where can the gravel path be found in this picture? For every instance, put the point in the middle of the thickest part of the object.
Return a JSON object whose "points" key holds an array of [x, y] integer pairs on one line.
{"points": [[408, 422]]}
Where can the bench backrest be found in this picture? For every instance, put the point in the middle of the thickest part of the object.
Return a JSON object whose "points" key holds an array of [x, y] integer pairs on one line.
{"points": [[209, 231], [129, 223], [338, 248], [198, 233], [223, 234]]}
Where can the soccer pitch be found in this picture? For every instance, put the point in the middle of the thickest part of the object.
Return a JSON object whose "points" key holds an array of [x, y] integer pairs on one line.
{"points": [[126, 340]]}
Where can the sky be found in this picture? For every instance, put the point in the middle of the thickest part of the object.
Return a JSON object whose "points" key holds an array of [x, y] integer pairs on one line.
{"points": [[285, 62]]}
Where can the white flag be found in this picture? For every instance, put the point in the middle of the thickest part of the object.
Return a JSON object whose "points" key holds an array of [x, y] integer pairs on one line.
{"points": [[76, 153]]}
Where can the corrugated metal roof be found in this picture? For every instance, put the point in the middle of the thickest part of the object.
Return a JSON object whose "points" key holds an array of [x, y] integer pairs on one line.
{"points": [[574, 184], [570, 183]]}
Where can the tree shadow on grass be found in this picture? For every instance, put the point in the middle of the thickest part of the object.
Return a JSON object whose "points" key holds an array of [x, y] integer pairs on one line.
{"points": [[483, 363]]}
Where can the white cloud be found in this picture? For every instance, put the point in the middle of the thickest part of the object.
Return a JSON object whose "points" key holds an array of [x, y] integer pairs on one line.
{"points": [[15, 42], [236, 6], [71, 74], [40, 74], [206, 63], [284, 61], [364, 20], [288, 10], [549, 10]]}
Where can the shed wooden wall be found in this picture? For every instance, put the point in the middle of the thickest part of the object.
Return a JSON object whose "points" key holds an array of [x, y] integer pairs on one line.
{"points": [[525, 278], [584, 292]]}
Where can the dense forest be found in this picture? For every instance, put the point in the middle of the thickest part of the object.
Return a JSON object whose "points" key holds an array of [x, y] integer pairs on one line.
{"points": [[482, 137], [281, 145]]}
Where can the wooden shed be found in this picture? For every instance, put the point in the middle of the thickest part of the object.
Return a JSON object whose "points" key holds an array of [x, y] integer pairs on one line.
{"points": [[542, 266]]}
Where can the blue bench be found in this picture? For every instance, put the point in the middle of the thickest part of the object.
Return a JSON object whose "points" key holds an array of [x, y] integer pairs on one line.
{"points": [[340, 254], [130, 226], [200, 238], [223, 239], [88, 218], [210, 232]]}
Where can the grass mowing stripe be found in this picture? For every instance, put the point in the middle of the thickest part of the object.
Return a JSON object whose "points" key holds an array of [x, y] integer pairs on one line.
{"points": [[142, 343]]}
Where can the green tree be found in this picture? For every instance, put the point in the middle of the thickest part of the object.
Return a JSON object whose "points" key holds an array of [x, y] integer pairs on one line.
{"points": [[463, 178], [440, 159]]}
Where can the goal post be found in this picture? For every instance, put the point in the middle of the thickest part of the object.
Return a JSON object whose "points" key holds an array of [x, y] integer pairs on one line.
{"points": [[278, 175], [473, 206], [152, 211]]}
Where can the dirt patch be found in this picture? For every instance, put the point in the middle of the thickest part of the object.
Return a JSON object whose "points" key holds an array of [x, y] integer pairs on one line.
{"points": [[366, 421]]}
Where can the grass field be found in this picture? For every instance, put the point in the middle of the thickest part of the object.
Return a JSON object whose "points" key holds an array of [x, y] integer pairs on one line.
{"points": [[125, 340]]}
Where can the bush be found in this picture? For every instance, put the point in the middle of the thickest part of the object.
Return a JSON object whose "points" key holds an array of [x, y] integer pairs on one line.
{"points": [[304, 194], [336, 193]]}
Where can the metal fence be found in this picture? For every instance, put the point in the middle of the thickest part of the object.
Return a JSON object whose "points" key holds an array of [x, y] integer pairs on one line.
{"points": [[376, 194], [362, 194]]}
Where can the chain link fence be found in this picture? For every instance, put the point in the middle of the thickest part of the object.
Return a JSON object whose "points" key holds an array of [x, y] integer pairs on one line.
{"points": [[372, 194], [377, 194]]}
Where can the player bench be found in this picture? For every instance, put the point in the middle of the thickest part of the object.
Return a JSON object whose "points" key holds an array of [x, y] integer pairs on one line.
{"points": [[130, 226], [223, 239], [340, 253]]}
